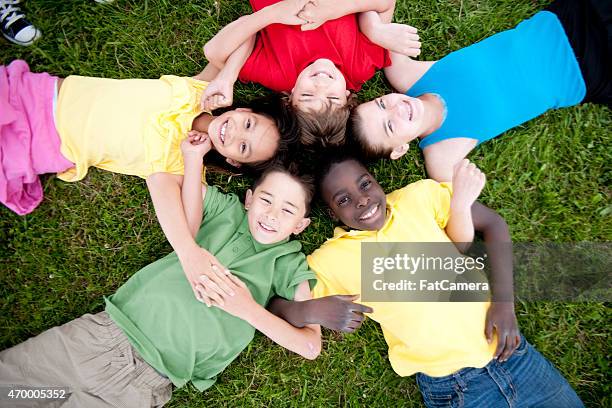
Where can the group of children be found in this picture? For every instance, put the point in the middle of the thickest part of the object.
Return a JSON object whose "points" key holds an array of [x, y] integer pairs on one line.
{"points": [[187, 316]]}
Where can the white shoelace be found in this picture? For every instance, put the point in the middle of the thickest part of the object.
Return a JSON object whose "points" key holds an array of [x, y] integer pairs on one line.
{"points": [[9, 12]]}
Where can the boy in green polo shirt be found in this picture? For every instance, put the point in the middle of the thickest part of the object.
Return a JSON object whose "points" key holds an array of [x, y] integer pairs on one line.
{"points": [[154, 332]]}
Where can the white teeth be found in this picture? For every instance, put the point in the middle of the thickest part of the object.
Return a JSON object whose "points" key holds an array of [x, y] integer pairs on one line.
{"points": [[370, 213], [223, 127], [266, 227]]}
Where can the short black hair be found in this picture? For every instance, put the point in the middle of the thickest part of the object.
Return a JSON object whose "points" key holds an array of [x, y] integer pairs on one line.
{"points": [[306, 181]]}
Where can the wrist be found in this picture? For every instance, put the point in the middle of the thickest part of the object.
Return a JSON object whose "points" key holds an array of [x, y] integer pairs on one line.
{"points": [[251, 313], [186, 247]]}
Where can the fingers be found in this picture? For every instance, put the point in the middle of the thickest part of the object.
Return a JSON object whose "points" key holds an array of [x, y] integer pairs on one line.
{"points": [[237, 280], [209, 296], [512, 342], [200, 294], [411, 29], [505, 347], [221, 280], [489, 331]]}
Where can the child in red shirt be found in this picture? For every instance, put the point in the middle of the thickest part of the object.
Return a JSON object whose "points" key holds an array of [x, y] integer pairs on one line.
{"points": [[316, 50]]}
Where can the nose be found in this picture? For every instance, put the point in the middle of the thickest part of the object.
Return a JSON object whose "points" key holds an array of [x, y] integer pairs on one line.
{"points": [[272, 214], [363, 201]]}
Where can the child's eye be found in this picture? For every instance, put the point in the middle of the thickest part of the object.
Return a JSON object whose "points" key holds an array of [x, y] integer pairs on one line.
{"points": [[247, 124], [288, 211], [242, 147], [365, 184], [343, 201], [390, 126], [333, 98], [382, 104], [265, 200]]}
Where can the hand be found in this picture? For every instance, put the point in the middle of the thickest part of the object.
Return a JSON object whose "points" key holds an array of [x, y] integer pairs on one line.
{"points": [[201, 267], [196, 145], [468, 182], [218, 94], [337, 312], [501, 317], [237, 305], [286, 11], [316, 13]]}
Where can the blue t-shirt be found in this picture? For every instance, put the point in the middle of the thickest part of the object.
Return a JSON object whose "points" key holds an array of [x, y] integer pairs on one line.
{"points": [[504, 80]]}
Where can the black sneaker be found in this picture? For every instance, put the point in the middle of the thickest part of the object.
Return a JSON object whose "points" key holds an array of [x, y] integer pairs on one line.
{"points": [[14, 25]]}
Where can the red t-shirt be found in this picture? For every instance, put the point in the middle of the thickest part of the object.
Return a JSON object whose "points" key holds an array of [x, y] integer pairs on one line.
{"points": [[281, 52]]}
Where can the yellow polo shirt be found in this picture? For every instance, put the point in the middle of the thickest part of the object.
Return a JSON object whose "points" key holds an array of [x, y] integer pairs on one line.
{"points": [[435, 338], [128, 126]]}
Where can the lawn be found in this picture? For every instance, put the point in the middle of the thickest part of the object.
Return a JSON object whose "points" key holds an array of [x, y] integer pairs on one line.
{"points": [[549, 178]]}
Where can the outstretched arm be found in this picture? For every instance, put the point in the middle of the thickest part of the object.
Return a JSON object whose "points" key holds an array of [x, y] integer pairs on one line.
{"points": [[305, 341], [500, 316], [338, 312], [233, 35]]}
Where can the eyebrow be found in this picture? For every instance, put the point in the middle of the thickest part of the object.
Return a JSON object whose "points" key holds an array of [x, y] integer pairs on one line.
{"points": [[286, 202], [344, 190]]}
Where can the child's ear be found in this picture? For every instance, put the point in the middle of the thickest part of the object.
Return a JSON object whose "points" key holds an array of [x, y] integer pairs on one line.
{"points": [[233, 162], [399, 151], [301, 225], [348, 93], [332, 215], [248, 199]]}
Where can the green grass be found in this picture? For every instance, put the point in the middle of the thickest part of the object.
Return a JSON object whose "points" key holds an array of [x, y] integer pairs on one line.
{"points": [[550, 178]]}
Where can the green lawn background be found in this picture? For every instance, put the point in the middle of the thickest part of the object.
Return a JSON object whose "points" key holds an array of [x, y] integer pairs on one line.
{"points": [[549, 178]]}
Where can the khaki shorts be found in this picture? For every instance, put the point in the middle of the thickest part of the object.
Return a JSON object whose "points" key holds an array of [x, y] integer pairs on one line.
{"points": [[91, 359]]}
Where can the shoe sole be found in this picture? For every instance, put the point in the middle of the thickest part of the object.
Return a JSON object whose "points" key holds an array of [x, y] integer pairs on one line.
{"points": [[23, 43]]}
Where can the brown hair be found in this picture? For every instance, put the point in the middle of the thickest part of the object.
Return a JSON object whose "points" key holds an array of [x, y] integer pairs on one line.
{"points": [[324, 128], [306, 181], [367, 150]]}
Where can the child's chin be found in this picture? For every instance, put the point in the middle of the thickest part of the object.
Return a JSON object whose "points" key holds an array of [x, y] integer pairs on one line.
{"points": [[266, 239]]}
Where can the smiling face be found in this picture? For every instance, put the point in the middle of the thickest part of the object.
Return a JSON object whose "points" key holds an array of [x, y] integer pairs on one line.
{"points": [[391, 121], [242, 136], [354, 196], [276, 208], [318, 85]]}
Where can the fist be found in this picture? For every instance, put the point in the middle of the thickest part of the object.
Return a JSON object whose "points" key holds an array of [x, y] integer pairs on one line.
{"points": [[468, 182]]}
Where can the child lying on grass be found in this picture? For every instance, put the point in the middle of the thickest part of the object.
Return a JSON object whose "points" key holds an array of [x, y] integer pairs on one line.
{"points": [[467, 354], [130, 126], [317, 67], [154, 333]]}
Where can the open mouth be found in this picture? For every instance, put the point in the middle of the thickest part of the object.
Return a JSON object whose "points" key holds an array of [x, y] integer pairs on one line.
{"points": [[265, 227], [371, 212], [410, 111], [222, 132], [322, 73]]}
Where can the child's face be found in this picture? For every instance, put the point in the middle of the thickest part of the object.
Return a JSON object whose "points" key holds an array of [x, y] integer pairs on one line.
{"points": [[242, 136], [391, 120], [276, 208], [354, 196], [319, 85]]}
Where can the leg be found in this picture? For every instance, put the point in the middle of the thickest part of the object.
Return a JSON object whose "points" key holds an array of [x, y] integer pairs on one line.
{"points": [[91, 358], [527, 379]]}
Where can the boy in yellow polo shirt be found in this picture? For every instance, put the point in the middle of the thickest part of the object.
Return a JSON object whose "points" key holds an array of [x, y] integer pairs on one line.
{"points": [[449, 344]]}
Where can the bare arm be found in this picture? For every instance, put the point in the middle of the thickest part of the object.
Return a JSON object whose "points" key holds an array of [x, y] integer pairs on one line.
{"points": [[193, 192], [501, 318], [305, 341], [233, 35], [468, 182], [318, 12], [220, 90]]}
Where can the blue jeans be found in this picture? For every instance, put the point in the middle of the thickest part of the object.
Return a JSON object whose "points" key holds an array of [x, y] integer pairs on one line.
{"points": [[526, 379]]}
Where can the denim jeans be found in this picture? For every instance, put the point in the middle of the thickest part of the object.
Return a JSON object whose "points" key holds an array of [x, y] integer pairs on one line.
{"points": [[526, 379]]}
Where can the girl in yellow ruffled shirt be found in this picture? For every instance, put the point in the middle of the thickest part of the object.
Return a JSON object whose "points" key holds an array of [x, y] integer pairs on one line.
{"points": [[128, 126]]}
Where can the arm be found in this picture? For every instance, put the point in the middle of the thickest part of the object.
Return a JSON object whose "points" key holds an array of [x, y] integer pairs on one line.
{"points": [[165, 190], [318, 12], [218, 49], [193, 192], [305, 341], [468, 182], [338, 312], [220, 90], [500, 316]]}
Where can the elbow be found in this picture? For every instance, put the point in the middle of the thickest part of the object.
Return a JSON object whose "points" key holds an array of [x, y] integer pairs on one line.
{"points": [[212, 54], [314, 350]]}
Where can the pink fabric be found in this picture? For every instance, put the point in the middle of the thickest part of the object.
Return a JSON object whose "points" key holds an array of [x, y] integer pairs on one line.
{"points": [[29, 142]]}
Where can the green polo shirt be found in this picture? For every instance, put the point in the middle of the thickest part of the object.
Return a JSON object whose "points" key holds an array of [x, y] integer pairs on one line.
{"points": [[183, 338]]}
